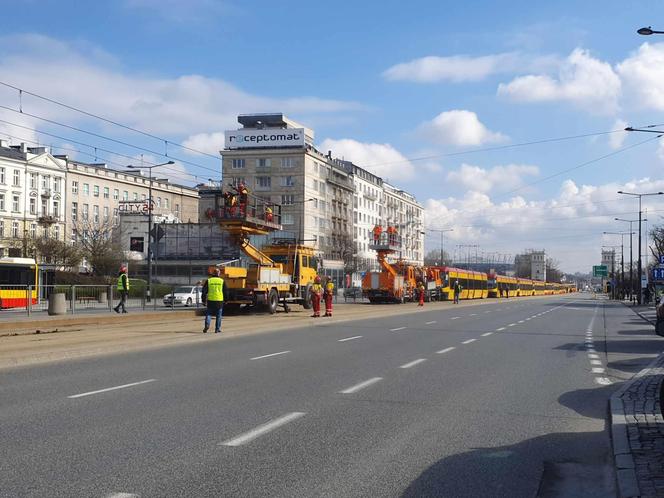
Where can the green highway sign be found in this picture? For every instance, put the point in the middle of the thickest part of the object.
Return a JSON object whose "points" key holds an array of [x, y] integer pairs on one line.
{"points": [[600, 271]]}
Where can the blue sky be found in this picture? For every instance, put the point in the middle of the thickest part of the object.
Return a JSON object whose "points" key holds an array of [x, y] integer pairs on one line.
{"points": [[381, 83]]}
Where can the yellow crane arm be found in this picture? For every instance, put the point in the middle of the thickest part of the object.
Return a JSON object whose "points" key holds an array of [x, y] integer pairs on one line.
{"points": [[254, 253], [382, 259]]}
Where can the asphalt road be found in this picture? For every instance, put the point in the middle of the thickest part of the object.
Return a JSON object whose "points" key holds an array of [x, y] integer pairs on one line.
{"points": [[507, 398]]}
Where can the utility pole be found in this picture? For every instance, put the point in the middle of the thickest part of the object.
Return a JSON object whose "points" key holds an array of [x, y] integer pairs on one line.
{"points": [[442, 241], [631, 258]]}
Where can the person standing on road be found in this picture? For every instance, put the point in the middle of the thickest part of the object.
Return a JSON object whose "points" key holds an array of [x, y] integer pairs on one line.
{"points": [[421, 291], [213, 298], [123, 289], [457, 291], [316, 291], [327, 296]]}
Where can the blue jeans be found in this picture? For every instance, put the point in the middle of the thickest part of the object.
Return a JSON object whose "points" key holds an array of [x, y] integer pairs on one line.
{"points": [[217, 309]]}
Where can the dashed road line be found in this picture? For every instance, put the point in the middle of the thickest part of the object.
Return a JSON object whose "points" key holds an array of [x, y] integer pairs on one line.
{"points": [[269, 355], [511, 324], [455, 318], [361, 385], [473, 314], [468, 341], [350, 338], [397, 329], [413, 363], [431, 322], [263, 429], [486, 334], [90, 393], [500, 328], [446, 350]]}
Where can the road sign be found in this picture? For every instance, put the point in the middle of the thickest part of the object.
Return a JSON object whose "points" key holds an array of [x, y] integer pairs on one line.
{"points": [[661, 259], [658, 274], [600, 271]]}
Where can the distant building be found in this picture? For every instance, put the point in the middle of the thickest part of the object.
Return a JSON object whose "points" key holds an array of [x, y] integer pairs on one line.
{"points": [[532, 264]]}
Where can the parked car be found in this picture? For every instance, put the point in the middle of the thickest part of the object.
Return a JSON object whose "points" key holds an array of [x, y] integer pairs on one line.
{"points": [[353, 293], [187, 295]]}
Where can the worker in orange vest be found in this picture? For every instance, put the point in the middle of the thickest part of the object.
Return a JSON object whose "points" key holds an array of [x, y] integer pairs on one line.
{"points": [[328, 293], [316, 291], [392, 235], [421, 290], [377, 230], [268, 214]]}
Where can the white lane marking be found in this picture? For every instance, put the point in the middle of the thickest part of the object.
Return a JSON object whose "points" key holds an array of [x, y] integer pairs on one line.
{"points": [[603, 381], [468, 341], [446, 350], [263, 429], [413, 363], [595, 362], [350, 338], [597, 370], [269, 355], [511, 324], [431, 322], [111, 388], [529, 318], [361, 385], [486, 334], [520, 321], [499, 329], [487, 311], [398, 328], [473, 314], [455, 318], [591, 350], [593, 356], [122, 495]]}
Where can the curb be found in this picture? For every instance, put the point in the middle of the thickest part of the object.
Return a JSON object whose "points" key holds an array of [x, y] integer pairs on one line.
{"points": [[628, 485], [640, 314]]}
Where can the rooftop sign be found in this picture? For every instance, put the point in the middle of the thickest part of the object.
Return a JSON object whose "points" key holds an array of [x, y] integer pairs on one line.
{"points": [[267, 137]]}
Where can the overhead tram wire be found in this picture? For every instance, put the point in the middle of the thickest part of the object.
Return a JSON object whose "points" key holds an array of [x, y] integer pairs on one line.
{"points": [[132, 158], [110, 121], [103, 137]]}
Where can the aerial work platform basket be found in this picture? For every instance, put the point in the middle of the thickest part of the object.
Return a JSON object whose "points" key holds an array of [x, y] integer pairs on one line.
{"points": [[247, 215], [385, 242]]}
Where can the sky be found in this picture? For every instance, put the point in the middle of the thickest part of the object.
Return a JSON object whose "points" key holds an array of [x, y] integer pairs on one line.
{"points": [[467, 105]]}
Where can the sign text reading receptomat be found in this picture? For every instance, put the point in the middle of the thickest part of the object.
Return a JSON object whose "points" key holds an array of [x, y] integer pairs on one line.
{"points": [[270, 137]]}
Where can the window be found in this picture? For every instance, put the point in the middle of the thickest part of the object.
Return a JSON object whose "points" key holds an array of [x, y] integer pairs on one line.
{"points": [[263, 163], [2, 175], [177, 209], [322, 223], [2, 229], [33, 230], [314, 203], [86, 189], [46, 182], [56, 232], [322, 205], [143, 197], [2, 202], [17, 178], [15, 229], [95, 190], [56, 184], [135, 196], [16, 204], [33, 180], [116, 194], [74, 187], [33, 205], [44, 207], [321, 187], [95, 214], [236, 180], [287, 181], [125, 195], [73, 236], [158, 202], [238, 163], [86, 210], [263, 183], [287, 162], [287, 200], [105, 213], [287, 219], [106, 192], [74, 211], [166, 203]]}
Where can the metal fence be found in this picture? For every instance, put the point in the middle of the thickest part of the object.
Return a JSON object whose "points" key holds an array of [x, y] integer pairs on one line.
{"points": [[90, 298]]}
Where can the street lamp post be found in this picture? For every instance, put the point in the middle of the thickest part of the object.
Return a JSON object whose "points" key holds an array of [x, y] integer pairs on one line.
{"points": [[649, 31], [622, 254], [639, 267], [631, 259], [150, 207], [442, 240]]}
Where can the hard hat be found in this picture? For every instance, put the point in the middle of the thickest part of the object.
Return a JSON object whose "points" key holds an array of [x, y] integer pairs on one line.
{"points": [[317, 279], [123, 269], [212, 270]]}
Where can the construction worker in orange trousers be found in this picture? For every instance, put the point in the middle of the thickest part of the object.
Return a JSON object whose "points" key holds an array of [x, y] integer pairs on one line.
{"points": [[316, 291], [421, 291], [327, 295]]}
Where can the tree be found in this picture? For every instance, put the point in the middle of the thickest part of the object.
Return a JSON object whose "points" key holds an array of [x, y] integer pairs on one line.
{"points": [[553, 273], [657, 236], [103, 254], [55, 252]]}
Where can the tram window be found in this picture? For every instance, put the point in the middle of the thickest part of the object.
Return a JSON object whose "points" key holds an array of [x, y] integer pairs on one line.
{"points": [[15, 276]]}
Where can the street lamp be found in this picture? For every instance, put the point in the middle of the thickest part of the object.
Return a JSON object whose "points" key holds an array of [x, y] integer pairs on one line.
{"points": [[442, 239], [631, 259], [622, 254], [150, 206], [649, 31], [639, 301]]}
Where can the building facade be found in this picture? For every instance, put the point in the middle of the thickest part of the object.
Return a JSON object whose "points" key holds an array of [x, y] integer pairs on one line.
{"points": [[402, 211], [532, 264], [32, 197]]}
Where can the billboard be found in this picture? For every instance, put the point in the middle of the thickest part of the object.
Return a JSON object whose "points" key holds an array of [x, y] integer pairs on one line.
{"points": [[269, 137]]}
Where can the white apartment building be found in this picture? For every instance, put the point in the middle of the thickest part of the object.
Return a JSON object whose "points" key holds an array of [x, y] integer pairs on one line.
{"points": [[402, 210], [32, 196]]}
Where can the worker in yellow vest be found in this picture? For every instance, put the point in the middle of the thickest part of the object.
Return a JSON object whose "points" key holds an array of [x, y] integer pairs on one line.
{"points": [[316, 291], [327, 296], [213, 298], [123, 289]]}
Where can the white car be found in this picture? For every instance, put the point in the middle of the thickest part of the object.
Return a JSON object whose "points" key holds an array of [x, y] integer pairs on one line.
{"points": [[187, 295]]}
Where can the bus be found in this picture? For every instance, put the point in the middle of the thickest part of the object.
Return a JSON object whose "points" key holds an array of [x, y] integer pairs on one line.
{"points": [[17, 275]]}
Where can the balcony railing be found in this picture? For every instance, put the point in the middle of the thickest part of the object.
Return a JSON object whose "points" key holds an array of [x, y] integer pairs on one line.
{"points": [[47, 219], [46, 192]]}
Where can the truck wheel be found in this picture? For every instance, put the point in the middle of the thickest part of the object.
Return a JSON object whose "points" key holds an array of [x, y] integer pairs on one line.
{"points": [[306, 302], [272, 301]]}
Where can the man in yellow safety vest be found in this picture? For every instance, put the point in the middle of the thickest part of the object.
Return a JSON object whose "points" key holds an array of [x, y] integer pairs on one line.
{"points": [[213, 298], [123, 289]]}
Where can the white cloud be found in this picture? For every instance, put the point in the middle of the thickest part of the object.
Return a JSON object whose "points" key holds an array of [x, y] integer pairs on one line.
{"points": [[460, 128], [381, 159], [617, 139], [660, 149], [568, 225], [456, 68], [500, 178], [643, 75], [582, 79], [211, 143]]}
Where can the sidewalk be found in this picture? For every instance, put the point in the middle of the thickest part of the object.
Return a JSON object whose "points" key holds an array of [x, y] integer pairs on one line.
{"points": [[637, 428]]}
